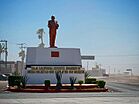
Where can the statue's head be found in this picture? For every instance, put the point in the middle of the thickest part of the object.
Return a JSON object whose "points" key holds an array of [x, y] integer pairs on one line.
{"points": [[52, 17]]}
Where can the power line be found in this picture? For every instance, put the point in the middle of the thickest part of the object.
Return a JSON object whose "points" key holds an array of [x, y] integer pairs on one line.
{"points": [[22, 46]]}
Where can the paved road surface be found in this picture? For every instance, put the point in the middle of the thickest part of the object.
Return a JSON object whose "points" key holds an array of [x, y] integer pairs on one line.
{"points": [[121, 87]]}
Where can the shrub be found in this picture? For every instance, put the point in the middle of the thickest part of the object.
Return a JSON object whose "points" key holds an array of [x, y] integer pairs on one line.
{"points": [[47, 83], [72, 81], [15, 81], [58, 77], [24, 81], [86, 75], [80, 82], [94, 82], [101, 84], [90, 81]]}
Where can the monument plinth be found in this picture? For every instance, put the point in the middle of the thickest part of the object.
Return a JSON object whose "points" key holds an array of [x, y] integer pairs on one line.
{"points": [[43, 63], [53, 56]]}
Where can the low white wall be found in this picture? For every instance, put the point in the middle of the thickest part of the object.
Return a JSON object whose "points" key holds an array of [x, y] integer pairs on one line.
{"points": [[39, 78]]}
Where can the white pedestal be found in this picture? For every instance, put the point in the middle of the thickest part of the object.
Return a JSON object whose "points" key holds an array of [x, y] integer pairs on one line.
{"points": [[53, 56], [38, 78], [42, 63]]}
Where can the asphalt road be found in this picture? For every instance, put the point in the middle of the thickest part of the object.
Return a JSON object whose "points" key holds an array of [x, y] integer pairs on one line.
{"points": [[123, 87]]}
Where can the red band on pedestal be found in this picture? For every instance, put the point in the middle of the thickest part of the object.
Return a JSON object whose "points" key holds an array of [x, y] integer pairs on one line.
{"points": [[55, 54]]}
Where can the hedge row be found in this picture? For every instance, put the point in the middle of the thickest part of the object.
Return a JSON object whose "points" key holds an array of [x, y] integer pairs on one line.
{"points": [[18, 81], [100, 83]]}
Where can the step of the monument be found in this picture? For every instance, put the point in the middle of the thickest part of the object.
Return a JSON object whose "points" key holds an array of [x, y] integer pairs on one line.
{"points": [[64, 86]]}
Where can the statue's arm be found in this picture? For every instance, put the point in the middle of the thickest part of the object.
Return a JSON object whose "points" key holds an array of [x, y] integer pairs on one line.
{"points": [[49, 24], [57, 26]]}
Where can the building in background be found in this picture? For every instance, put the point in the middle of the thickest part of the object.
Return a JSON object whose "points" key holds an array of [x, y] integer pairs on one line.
{"points": [[12, 67], [97, 72]]}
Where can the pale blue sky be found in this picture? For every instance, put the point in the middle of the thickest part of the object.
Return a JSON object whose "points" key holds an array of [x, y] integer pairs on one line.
{"points": [[108, 29]]}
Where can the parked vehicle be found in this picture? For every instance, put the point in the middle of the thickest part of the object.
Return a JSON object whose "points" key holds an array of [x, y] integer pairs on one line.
{"points": [[3, 77]]}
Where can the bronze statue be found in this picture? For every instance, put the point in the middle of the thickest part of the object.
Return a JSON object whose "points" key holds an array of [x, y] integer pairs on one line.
{"points": [[53, 26]]}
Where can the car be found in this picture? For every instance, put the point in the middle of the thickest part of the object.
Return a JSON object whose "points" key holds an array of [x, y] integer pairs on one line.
{"points": [[3, 77]]}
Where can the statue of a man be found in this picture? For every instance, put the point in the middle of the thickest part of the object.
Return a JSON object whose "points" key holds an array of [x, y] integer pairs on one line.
{"points": [[53, 26]]}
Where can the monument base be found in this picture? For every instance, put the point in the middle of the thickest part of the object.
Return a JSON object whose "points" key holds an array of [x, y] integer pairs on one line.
{"points": [[38, 74], [43, 63], [40, 78]]}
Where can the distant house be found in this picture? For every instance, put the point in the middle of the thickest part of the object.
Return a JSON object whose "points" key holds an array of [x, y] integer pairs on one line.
{"points": [[96, 72]]}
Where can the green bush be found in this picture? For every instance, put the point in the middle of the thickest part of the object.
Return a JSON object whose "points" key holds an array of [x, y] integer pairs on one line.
{"points": [[47, 83], [15, 81], [58, 77], [94, 82], [101, 84], [72, 81], [86, 75], [90, 81], [80, 82]]}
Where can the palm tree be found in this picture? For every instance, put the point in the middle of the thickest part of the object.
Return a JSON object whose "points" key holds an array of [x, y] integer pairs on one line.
{"points": [[40, 33]]}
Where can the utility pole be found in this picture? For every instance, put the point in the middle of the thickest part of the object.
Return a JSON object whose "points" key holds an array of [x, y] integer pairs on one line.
{"points": [[87, 65], [109, 70], [22, 47], [3, 49], [6, 52]]}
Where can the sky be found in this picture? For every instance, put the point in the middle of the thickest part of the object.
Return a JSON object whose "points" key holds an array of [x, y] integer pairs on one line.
{"points": [[107, 29]]}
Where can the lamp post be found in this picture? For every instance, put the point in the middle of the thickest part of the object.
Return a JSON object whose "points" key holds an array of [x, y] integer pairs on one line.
{"points": [[87, 65]]}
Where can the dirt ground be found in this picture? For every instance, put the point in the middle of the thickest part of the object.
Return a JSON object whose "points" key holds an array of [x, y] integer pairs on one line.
{"points": [[3, 85]]}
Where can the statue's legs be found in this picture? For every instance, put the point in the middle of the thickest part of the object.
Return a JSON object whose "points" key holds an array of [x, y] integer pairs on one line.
{"points": [[52, 38]]}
